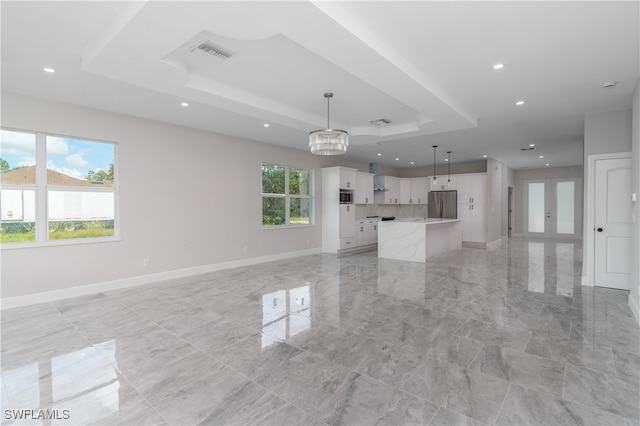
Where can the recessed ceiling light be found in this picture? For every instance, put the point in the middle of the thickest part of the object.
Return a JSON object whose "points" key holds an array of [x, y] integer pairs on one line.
{"points": [[547, 164], [484, 156], [531, 145], [379, 155], [412, 163], [184, 104], [542, 156], [47, 69], [520, 103], [266, 124], [446, 159], [397, 159], [498, 66]]}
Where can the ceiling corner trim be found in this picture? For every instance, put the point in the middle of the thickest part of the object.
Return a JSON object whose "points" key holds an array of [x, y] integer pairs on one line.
{"points": [[102, 39]]}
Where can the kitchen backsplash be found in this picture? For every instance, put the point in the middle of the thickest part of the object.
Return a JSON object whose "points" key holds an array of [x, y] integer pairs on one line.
{"points": [[404, 210]]}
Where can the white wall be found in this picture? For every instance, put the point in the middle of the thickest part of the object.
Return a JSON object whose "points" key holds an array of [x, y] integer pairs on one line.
{"points": [[161, 166], [532, 174], [607, 132], [634, 297]]}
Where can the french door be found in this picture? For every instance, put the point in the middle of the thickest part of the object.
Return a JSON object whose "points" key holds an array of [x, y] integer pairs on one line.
{"points": [[553, 208]]}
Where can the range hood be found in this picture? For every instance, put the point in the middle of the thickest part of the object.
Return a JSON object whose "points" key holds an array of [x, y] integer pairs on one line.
{"points": [[377, 186]]}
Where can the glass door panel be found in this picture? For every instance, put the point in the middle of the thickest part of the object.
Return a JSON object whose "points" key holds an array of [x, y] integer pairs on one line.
{"points": [[565, 208], [536, 199]]}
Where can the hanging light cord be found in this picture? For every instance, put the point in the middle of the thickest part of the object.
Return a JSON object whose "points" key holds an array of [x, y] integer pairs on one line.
{"points": [[434, 162], [328, 96], [449, 178]]}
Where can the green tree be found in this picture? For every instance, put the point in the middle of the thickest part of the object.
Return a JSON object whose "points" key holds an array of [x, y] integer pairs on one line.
{"points": [[273, 179], [100, 175], [4, 165]]}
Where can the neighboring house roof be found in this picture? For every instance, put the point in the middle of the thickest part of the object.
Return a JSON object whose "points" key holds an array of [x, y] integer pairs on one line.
{"points": [[27, 176]]}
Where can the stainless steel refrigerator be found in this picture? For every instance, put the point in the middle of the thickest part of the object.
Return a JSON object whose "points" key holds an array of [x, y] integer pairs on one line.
{"points": [[443, 204]]}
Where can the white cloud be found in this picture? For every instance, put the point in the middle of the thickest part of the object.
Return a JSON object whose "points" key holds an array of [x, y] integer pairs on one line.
{"points": [[26, 161], [17, 143], [70, 172], [56, 146], [76, 160], [64, 170]]}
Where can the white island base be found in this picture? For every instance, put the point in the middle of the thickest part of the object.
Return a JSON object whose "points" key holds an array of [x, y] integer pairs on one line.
{"points": [[416, 239]]}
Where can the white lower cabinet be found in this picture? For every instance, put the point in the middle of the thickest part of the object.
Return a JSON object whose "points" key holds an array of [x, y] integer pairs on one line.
{"points": [[474, 222], [348, 242], [371, 232], [366, 232]]}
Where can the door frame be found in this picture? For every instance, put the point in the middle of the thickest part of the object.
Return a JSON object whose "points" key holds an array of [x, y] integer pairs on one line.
{"points": [[588, 248]]}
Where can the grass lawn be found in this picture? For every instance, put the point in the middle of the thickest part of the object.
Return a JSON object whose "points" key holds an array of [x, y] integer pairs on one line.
{"points": [[17, 237], [23, 237]]}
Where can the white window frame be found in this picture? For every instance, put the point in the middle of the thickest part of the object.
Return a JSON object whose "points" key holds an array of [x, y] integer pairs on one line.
{"points": [[42, 190], [287, 198]]}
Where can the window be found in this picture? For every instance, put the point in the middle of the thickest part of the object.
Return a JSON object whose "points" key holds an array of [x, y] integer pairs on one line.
{"points": [[55, 188], [286, 196], [18, 193]]}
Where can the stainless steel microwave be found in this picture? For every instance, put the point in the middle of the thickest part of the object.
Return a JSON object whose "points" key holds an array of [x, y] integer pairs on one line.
{"points": [[346, 196]]}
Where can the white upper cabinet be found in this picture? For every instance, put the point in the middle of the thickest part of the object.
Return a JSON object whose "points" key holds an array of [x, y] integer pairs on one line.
{"points": [[347, 178], [443, 183], [419, 190], [405, 191], [364, 188], [472, 188], [392, 193]]}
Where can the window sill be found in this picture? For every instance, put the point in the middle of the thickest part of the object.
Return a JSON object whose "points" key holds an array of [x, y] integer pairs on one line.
{"points": [[55, 243], [269, 228]]}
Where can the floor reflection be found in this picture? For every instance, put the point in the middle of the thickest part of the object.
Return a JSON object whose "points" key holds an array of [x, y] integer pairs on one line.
{"points": [[552, 267], [294, 318], [83, 382]]}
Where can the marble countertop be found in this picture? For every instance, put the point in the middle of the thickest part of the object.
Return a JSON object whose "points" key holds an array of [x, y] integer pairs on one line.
{"points": [[421, 220]]}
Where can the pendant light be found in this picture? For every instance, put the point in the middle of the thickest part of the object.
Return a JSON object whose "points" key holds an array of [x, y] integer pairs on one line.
{"points": [[449, 166], [328, 141], [434, 163]]}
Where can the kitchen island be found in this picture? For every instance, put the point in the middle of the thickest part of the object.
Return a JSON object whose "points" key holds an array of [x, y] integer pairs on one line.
{"points": [[416, 239]]}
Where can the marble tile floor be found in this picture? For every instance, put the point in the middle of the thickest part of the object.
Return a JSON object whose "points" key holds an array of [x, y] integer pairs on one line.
{"points": [[502, 336]]}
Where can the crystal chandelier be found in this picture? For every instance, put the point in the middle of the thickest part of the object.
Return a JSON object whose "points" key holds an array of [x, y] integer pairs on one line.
{"points": [[328, 141]]}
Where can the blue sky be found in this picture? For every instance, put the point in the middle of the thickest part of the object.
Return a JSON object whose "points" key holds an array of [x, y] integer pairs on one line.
{"points": [[73, 157]]}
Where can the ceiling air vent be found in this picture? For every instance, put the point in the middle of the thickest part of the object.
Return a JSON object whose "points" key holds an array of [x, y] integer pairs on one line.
{"points": [[380, 121], [529, 148], [209, 49]]}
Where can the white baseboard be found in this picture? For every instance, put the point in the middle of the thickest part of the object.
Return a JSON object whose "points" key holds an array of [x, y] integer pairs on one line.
{"points": [[634, 308], [586, 281], [65, 293]]}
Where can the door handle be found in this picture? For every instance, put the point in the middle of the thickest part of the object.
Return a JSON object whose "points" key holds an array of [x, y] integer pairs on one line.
{"points": [[599, 229]]}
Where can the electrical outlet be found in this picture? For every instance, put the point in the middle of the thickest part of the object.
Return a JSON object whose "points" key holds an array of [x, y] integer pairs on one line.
{"points": [[145, 262]]}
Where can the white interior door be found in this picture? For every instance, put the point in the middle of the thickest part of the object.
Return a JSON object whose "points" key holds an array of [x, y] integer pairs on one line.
{"points": [[553, 208], [613, 217]]}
